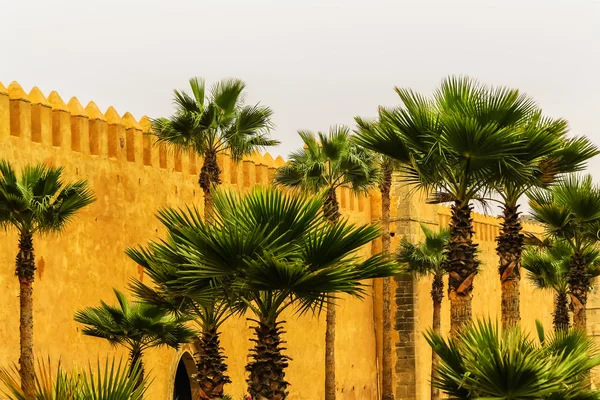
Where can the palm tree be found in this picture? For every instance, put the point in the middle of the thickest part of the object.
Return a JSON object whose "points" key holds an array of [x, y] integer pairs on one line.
{"points": [[268, 252], [550, 154], [482, 363], [213, 123], [138, 327], [114, 381], [548, 268], [427, 258], [161, 262], [452, 146], [570, 211], [386, 165], [325, 163], [37, 202]]}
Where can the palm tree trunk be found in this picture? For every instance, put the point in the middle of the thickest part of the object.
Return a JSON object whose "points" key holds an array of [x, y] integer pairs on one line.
{"points": [[437, 294], [461, 266], [25, 270], [135, 360], [331, 210], [387, 372], [509, 249], [210, 176], [561, 312], [331, 207], [267, 368], [212, 370], [579, 282]]}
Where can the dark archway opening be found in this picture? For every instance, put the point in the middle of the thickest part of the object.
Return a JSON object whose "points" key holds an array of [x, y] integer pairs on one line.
{"points": [[183, 389]]}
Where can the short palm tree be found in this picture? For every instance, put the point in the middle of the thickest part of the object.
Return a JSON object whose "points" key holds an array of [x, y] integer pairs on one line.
{"points": [[161, 263], [213, 123], [136, 326], [427, 258], [37, 202], [269, 252], [550, 154], [548, 268], [114, 381], [453, 145], [570, 211], [483, 363], [327, 162]]}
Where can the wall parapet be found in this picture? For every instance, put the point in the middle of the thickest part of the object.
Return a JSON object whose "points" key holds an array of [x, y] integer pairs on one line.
{"points": [[49, 121]]}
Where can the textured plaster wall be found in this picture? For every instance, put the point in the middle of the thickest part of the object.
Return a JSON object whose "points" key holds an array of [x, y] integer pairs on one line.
{"points": [[132, 178]]}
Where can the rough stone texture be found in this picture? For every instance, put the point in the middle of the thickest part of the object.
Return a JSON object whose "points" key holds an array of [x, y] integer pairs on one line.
{"points": [[406, 374]]}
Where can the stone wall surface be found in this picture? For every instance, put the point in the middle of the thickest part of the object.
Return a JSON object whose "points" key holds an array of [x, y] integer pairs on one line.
{"points": [[132, 178]]}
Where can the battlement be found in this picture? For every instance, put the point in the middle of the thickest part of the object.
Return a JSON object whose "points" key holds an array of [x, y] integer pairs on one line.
{"points": [[49, 121], [70, 127]]}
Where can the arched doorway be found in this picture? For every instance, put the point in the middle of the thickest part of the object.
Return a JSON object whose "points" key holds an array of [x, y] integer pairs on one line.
{"points": [[185, 386]]}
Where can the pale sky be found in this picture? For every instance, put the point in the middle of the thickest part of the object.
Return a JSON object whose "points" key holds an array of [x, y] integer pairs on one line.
{"points": [[315, 63]]}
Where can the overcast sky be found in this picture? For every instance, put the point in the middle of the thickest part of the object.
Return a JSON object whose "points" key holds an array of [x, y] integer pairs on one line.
{"points": [[315, 63]]}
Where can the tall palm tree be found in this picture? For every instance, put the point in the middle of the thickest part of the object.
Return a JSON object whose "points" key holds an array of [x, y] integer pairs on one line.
{"points": [[386, 165], [452, 146], [161, 263], [427, 258], [37, 202], [136, 326], [212, 123], [483, 363], [269, 252], [550, 154], [325, 163], [570, 211], [548, 268]]}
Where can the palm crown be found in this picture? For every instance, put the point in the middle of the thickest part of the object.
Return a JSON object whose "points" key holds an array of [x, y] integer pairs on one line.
{"points": [[453, 142], [328, 161], [138, 326], [213, 123], [39, 201], [484, 363], [272, 242], [269, 251], [570, 211], [217, 121], [426, 257]]}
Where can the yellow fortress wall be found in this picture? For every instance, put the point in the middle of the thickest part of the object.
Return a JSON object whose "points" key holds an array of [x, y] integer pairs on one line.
{"points": [[132, 178]]}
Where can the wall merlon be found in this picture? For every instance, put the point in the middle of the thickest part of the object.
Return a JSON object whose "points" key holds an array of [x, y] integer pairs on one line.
{"points": [[151, 156], [130, 122], [113, 117], [20, 112], [98, 130], [57, 102], [145, 124], [37, 97], [93, 112], [16, 92], [249, 172], [262, 174], [268, 160], [41, 117], [76, 109], [80, 140], [279, 162], [224, 163], [4, 113]]}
